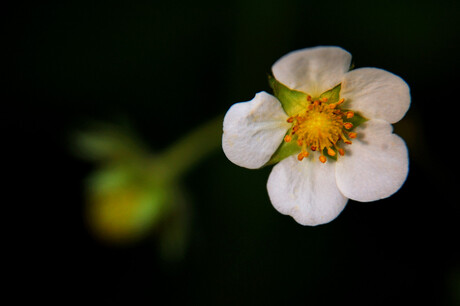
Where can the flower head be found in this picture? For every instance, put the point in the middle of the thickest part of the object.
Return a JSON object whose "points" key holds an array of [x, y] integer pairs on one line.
{"points": [[329, 130]]}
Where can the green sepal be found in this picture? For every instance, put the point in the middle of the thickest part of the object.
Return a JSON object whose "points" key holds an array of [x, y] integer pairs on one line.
{"points": [[286, 149], [293, 101], [332, 95]]}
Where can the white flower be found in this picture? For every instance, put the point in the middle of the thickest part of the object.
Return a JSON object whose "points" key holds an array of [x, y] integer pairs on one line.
{"points": [[329, 128]]}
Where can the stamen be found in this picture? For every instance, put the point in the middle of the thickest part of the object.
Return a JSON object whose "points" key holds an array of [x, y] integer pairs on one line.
{"points": [[352, 135], [349, 114], [300, 156], [341, 152], [348, 125], [290, 119], [322, 159], [287, 138], [331, 152]]}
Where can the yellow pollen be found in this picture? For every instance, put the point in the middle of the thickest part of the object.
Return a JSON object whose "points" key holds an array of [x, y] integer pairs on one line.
{"points": [[320, 127]]}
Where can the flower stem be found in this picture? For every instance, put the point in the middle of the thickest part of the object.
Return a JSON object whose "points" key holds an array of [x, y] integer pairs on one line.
{"points": [[189, 150]]}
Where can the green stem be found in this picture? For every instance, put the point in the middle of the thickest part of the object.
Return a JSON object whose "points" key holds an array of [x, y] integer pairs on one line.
{"points": [[181, 156]]}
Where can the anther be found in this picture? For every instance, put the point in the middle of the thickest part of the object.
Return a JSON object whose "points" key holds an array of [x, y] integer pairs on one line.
{"points": [[322, 159], [332, 106], [287, 138], [348, 125], [341, 152], [340, 101], [302, 155], [352, 135], [313, 148], [330, 152], [349, 114], [290, 119], [324, 99], [309, 98]]}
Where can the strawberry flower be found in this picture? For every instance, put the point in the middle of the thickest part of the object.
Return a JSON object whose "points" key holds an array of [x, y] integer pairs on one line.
{"points": [[328, 130]]}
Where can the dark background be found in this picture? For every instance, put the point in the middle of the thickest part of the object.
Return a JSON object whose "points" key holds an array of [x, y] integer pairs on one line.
{"points": [[167, 67]]}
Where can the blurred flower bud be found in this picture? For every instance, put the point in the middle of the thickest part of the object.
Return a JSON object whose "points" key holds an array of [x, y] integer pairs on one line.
{"points": [[122, 207], [133, 193]]}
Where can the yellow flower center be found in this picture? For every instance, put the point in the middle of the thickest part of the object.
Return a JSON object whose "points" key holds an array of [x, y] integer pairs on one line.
{"points": [[320, 128]]}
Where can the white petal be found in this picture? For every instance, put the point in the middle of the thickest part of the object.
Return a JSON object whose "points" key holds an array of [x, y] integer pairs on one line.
{"points": [[376, 93], [312, 70], [375, 166], [253, 130], [305, 190]]}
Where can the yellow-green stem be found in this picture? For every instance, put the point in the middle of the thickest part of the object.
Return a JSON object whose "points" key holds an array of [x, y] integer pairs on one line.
{"points": [[189, 150]]}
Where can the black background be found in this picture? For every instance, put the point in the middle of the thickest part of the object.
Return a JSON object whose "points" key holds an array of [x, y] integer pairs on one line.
{"points": [[167, 67]]}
